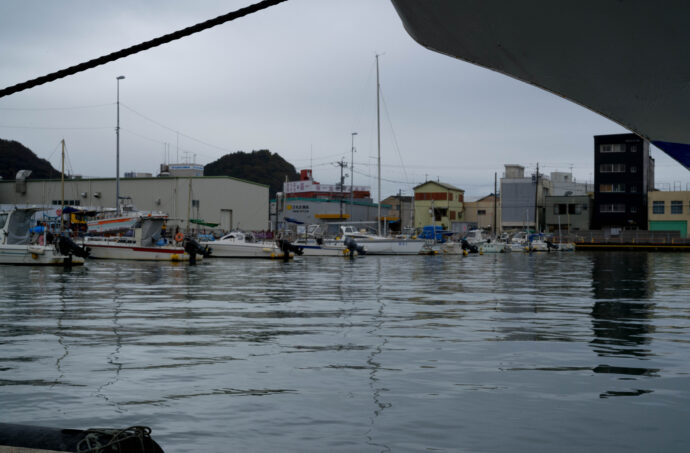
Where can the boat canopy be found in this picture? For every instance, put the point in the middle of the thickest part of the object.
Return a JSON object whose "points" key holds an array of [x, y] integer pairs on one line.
{"points": [[204, 223]]}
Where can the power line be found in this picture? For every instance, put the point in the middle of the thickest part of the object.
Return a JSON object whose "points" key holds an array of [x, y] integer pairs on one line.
{"points": [[176, 131], [139, 47]]}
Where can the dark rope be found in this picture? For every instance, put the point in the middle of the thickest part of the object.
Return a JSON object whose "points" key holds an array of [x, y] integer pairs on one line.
{"points": [[140, 47]]}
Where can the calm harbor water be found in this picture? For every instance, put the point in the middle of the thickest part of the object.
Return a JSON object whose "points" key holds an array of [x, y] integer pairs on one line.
{"points": [[494, 353]]}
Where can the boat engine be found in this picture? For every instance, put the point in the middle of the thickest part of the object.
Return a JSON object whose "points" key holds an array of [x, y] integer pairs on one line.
{"points": [[193, 248], [352, 246], [287, 247], [66, 246], [469, 247]]}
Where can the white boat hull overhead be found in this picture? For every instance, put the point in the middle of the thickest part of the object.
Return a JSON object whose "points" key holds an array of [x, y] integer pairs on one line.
{"points": [[626, 60], [35, 255]]}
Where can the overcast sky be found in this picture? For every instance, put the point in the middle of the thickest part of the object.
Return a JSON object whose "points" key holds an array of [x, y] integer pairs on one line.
{"points": [[297, 79]]}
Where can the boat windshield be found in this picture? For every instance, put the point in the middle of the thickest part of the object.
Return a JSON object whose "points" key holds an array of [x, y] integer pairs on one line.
{"points": [[3, 219], [151, 231], [18, 227]]}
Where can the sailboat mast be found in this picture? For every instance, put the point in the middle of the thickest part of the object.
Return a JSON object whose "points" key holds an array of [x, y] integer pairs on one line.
{"points": [[62, 179], [378, 134]]}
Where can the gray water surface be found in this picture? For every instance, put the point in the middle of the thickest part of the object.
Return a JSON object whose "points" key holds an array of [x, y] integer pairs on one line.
{"points": [[494, 353]]}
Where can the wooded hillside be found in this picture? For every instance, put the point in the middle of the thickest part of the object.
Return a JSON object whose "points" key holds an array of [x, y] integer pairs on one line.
{"points": [[14, 157], [258, 166]]}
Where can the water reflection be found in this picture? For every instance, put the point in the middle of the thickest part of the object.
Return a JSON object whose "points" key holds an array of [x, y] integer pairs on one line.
{"points": [[622, 314], [375, 365], [621, 317]]}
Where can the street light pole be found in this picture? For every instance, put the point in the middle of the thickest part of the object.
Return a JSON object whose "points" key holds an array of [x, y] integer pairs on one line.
{"points": [[117, 151], [352, 175]]}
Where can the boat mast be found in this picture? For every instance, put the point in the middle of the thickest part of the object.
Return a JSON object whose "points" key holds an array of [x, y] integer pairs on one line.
{"points": [[378, 134], [62, 180], [117, 150]]}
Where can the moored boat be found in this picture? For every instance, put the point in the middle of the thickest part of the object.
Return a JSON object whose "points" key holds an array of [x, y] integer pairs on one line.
{"points": [[380, 245], [241, 245], [144, 242], [17, 247]]}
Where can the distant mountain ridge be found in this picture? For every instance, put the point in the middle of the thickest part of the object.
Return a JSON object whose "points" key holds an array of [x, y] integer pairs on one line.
{"points": [[14, 157], [260, 166]]}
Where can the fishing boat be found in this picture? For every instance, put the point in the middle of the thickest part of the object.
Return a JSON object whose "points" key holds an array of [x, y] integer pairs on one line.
{"points": [[310, 240], [492, 247], [438, 241], [143, 241], [381, 245], [321, 247], [17, 246], [475, 237], [238, 244]]}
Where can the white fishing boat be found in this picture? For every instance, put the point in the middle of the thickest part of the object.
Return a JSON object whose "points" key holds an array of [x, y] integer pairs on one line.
{"points": [[538, 245], [143, 242], [565, 246], [241, 245], [450, 248], [492, 247], [110, 221], [17, 247], [320, 247], [475, 237], [310, 241], [381, 245]]}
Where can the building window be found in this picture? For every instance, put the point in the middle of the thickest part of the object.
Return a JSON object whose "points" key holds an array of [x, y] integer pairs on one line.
{"points": [[633, 148], [633, 189], [676, 207], [633, 169], [612, 168], [615, 207], [633, 209], [481, 212], [658, 207], [619, 148], [612, 188], [440, 213]]}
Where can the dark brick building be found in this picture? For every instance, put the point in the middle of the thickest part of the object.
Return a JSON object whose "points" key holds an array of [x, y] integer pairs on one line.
{"points": [[623, 174]]}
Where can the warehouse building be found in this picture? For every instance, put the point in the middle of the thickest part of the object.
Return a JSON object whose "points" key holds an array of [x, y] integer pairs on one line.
{"points": [[231, 203]]}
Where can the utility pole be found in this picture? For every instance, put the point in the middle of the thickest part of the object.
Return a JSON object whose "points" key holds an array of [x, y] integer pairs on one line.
{"points": [[495, 206], [378, 134], [352, 175], [62, 208], [536, 202], [400, 205], [342, 164]]}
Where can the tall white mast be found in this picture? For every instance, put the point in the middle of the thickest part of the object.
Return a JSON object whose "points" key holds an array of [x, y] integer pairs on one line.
{"points": [[378, 133]]}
